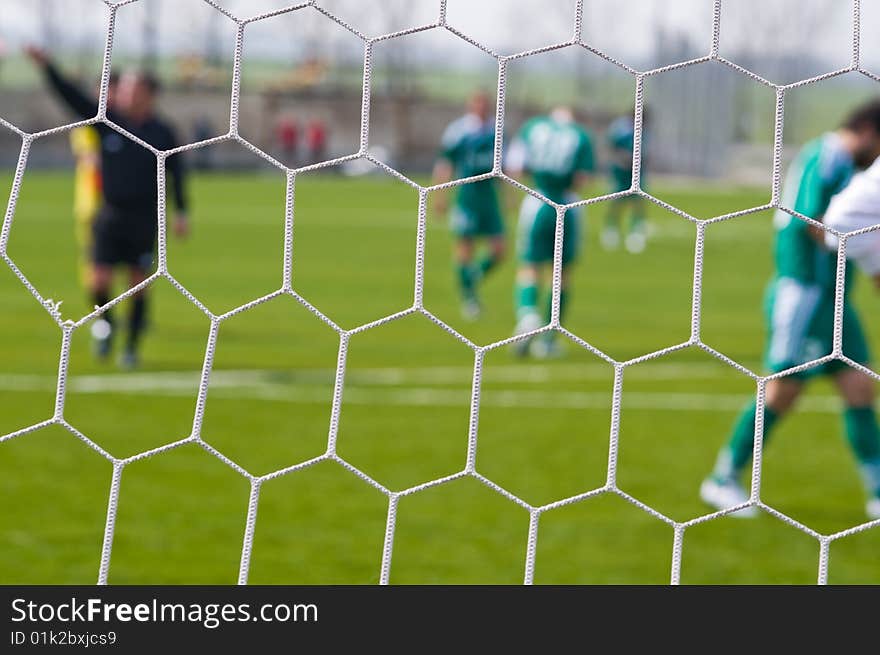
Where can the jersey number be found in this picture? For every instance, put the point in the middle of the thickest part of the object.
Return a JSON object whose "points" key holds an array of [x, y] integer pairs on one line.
{"points": [[552, 151]]}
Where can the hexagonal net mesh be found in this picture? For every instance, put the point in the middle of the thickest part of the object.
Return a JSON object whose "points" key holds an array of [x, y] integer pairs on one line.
{"points": [[68, 327]]}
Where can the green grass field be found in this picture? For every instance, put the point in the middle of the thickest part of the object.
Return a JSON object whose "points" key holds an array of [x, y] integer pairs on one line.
{"points": [[543, 428]]}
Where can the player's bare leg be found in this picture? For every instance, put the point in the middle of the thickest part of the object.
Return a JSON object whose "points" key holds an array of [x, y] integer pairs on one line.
{"points": [[781, 394], [497, 253]]}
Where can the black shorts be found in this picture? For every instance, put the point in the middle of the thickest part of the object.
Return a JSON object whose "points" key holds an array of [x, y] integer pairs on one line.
{"points": [[124, 236]]}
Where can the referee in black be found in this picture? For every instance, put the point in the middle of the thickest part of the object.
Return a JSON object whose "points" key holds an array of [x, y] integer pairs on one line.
{"points": [[125, 228]]}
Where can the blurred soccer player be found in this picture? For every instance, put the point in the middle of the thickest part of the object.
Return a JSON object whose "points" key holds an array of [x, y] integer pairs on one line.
{"points": [[125, 227], [468, 149], [558, 154], [855, 208], [287, 136], [85, 144], [316, 140], [621, 135], [800, 314]]}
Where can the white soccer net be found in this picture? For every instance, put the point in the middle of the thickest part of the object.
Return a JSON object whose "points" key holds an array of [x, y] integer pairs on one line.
{"points": [[576, 39]]}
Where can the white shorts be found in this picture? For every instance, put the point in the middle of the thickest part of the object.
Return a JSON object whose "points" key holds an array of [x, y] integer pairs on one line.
{"points": [[855, 208]]}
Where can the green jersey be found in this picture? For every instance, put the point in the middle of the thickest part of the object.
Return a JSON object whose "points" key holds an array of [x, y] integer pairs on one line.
{"points": [[553, 151], [800, 300], [621, 137], [621, 143], [468, 144], [821, 169]]}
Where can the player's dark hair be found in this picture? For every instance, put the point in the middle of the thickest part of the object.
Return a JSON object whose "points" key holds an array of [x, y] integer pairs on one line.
{"points": [[866, 115], [149, 79]]}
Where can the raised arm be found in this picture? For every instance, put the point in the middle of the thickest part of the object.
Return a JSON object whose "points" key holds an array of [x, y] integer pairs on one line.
{"points": [[442, 173], [177, 172], [176, 169], [80, 103]]}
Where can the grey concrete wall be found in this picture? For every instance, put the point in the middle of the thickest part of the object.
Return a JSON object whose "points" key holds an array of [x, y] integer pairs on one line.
{"points": [[409, 128]]}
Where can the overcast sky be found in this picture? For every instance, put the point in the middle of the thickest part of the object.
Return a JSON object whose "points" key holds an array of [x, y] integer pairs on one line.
{"points": [[627, 29]]}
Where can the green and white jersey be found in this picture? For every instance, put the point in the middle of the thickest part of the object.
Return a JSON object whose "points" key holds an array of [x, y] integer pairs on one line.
{"points": [[553, 151], [468, 144], [821, 169]]}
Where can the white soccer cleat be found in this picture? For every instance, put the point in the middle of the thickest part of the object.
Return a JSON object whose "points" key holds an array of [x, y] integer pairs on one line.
{"points": [[527, 323], [723, 494], [471, 310], [543, 348], [101, 332], [101, 329], [636, 242], [872, 508], [610, 238]]}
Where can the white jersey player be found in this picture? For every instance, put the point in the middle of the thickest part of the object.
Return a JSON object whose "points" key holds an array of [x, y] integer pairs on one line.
{"points": [[855, 208]]}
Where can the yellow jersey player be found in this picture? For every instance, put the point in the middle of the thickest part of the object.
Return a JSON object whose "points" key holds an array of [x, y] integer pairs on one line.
{"points": [[85, 143], [126, 227], [86, 147]]}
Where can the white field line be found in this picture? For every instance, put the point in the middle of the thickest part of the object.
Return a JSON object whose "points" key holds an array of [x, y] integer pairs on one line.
{"points": [[509, 399], [532, 374], [377, 387], [663, 230]]}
